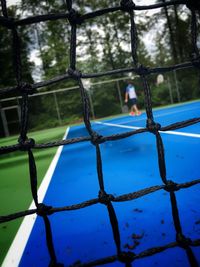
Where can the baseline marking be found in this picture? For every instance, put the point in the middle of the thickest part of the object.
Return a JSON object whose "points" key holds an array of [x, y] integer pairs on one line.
{"points": [[17, 247], [164, 114], [136, 128]]}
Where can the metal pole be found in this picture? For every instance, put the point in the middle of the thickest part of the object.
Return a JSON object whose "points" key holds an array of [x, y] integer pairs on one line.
{"points": [[177, 88], [18, 109], [170, 90], [120, 96], [91, 104], [57, 108], [4, 121]]}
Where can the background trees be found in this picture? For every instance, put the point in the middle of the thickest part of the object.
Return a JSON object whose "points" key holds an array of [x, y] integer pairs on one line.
{"points": [[103, 44]]}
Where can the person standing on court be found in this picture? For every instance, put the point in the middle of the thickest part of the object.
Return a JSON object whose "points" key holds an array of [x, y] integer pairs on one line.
{"points": [[130, 95]]}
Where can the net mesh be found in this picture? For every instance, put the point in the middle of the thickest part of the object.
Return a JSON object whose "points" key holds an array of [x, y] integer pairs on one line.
{"points": [[27, 144]]}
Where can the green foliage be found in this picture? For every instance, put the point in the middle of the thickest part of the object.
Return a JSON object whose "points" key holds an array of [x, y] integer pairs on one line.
{"points": [[160, 95], [105, 100], [103, 43], [190, 88], [14, 166], [7, 77]]}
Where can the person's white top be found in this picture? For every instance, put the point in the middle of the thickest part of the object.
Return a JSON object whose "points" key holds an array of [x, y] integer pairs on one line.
{"points": [[130, 89]]}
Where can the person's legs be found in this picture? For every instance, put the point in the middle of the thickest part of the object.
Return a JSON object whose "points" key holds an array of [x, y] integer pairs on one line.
{"points": [[134, 109], [137, 112]]}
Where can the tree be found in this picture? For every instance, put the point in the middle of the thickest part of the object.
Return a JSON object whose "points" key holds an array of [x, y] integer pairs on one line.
{"points": [[7, 77]]}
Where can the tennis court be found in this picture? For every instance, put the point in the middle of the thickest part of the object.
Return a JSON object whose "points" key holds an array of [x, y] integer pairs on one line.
{"points": [[129, 165], [122, 191]]}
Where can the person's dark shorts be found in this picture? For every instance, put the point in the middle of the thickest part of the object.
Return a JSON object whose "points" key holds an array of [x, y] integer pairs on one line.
{"points": [[133, 101]]}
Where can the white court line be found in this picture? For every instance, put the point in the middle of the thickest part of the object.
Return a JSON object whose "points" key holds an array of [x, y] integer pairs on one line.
{"points": [[163, 114], [174, 112], [136, 128], [15, 251]]}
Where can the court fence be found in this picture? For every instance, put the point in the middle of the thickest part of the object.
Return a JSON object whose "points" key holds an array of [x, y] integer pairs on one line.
{"points": [[63, 106]]}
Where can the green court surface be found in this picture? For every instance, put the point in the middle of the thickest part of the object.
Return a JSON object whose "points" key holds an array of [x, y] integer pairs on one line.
{"points": [[14, 166]]}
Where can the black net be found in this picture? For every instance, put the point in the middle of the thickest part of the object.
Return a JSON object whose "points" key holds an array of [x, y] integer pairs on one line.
{"points": [[27, 144]]}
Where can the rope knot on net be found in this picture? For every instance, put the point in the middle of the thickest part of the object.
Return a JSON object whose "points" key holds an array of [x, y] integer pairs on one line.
{"points": [[193, 4], [196, 62], [96, 138], [127, 5], [75, 74], [171, 186], [105, 198], [26, 88], [183, 241], [9, 22], [26, 144], [74, 17], [152, 126], [126, 257], [142, 70], [43, 210]]}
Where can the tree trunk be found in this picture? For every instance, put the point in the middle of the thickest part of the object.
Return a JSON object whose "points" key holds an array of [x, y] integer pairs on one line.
{"points": [[179, 42], [172, 41]]}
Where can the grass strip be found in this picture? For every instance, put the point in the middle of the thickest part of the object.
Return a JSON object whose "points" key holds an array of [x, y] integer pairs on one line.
{"points": [[15, 191]]}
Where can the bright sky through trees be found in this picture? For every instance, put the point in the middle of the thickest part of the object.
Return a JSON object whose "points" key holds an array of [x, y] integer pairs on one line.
{"points": [[147, 38], [138, 2]]}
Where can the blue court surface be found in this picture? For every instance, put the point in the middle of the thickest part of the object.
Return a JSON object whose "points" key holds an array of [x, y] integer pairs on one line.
{"points": [[129, 164]]}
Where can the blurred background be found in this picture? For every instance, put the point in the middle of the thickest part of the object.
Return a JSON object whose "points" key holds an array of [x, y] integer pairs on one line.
{"points": [[102, 45]]}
